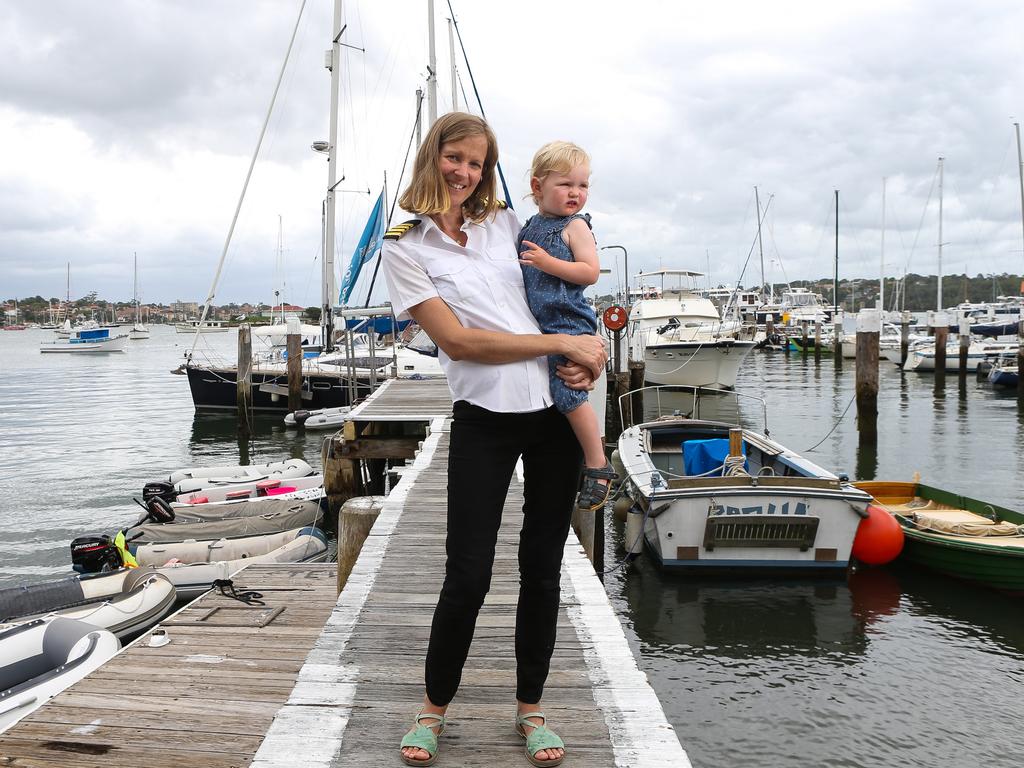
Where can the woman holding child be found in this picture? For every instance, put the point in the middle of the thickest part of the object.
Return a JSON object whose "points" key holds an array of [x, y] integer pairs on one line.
{"points": [[457, 272]]}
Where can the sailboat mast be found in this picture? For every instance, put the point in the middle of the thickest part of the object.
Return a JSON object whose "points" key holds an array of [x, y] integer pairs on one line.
{"points": [[760, 248], [135, 287], [938, 299], [451, 57], [328, 291], [881, 268], [835, 276], [431, 66], [1020, 169]]}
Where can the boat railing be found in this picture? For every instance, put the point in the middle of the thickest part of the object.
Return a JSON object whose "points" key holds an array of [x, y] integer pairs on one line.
{"points": [[683, 400]]}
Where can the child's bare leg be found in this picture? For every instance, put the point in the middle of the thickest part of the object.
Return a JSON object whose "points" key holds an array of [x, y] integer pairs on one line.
{"points": [[583, 421]]}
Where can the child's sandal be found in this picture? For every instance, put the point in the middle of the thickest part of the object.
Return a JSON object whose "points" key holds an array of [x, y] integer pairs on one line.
{"points": [[593, 494]]}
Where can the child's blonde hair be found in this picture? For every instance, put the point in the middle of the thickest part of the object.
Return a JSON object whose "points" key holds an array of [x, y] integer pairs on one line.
{"points": [[557, 157]]}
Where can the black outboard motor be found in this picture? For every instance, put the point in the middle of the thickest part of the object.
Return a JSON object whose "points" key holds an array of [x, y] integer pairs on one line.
{"points": [[162, 489], [300, 417], [94, 554]]}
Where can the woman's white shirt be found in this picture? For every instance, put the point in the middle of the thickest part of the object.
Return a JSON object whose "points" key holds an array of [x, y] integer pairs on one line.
{"points": [[482, 283]]}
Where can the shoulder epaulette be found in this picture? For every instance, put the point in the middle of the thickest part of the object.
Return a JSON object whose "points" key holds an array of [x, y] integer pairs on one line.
{"points": [[400, 229], [502, 204]]}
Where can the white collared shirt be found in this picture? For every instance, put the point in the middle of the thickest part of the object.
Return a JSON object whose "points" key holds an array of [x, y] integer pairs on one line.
{"points": [[482, 283]]}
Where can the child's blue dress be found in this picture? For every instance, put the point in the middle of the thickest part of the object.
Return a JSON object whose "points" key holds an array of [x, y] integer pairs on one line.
{"points": [[559, 306]]}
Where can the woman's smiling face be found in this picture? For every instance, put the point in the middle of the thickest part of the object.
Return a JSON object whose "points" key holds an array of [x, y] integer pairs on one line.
{"points": [[461, 164]]}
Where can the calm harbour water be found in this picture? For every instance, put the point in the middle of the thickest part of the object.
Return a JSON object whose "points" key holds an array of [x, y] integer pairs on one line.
{"points": [[892, 667]]}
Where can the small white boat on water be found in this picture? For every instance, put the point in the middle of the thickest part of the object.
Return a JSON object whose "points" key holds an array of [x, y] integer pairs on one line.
{"points": [[125, 603], [193, 566], [92, 341], [706, 509], [209, 326], [196, 478], [323, 418], [285, 517], [258, 489], [921, 357], [41, 658]]}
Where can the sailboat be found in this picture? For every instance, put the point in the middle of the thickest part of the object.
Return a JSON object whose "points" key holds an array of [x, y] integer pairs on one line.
{"points": [[331, 380], [138, 331]]}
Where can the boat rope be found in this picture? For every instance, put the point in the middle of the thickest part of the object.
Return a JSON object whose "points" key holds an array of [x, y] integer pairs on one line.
{"points": [[838, 422], [247, 596]]}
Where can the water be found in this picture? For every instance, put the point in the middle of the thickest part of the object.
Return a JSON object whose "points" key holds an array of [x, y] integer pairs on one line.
{"points": [[893, 667]]}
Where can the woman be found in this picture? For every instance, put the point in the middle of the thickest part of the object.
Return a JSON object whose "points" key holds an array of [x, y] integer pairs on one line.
{"points": [[455, 271]]}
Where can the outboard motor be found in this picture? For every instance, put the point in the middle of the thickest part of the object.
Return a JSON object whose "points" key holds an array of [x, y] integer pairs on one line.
{"points": [[159, 510], [301, 416], [94, 554], [161, 489]]}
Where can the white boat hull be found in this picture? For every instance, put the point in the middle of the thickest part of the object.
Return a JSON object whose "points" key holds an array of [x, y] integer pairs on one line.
{"points": [[224, 475], [216, 494], [112, 344], [41, 658], [922, 358], [697, 364], [323, 418]]}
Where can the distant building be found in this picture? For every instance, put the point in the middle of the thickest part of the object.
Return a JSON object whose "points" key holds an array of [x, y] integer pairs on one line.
{"points": [[285, 311]]}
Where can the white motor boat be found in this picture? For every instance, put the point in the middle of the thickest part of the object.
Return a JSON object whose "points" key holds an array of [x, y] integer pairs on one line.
{"points": [[764, 509], [39, 659], [209, 326], [125, 602], [92, 341], [323, 418], [681, 338], [921, 356]]}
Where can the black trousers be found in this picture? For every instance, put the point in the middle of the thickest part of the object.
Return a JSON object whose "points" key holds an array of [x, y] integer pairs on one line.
{"points": [[484, 448]]}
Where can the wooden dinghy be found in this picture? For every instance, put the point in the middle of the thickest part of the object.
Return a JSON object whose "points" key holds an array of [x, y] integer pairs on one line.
{"points": [[124, 602], [956, 535], [39, 659]]}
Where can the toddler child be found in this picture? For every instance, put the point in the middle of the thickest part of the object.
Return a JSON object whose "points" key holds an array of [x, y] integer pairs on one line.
{"points": [[558, 254]]}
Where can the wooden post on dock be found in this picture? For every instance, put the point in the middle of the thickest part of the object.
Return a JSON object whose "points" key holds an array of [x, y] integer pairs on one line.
{"points": [[817, 341], [869, 327], [769, 329], [355, 520], [615, 421], [243, 379], [294, 347], [904, 337], [941, 338], [803, 330], [838, 337], [735, 442], [964, 332], [1020, 361], [342, 476], [636, 384]]}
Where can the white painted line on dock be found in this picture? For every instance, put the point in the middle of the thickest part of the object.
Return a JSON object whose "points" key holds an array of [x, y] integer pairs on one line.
{"points": [[312, 723], [641, 736]]}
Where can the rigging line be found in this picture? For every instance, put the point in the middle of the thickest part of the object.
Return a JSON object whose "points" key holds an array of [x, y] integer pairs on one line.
{"points": [[834, 426], [920, 224], [749, 254], [398, 186], [245, 185], [472, 81]]}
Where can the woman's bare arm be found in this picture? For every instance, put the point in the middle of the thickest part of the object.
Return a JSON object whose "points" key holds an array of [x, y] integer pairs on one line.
{"points": [[480, 346]]}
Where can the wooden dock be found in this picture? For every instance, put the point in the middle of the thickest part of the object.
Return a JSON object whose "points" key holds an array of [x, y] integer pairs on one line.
{"points": [[205, 699], [337, 682]]}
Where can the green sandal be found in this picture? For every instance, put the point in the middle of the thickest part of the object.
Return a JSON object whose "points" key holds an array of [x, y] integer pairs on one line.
{"points": [[592, 493], [541, 737], [424, 738]]}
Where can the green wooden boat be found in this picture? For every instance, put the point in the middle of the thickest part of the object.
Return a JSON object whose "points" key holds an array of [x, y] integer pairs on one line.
{"points": [[956, 535]]}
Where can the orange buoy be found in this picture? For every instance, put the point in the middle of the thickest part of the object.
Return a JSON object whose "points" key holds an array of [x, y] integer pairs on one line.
{"points": [[879, 538]]}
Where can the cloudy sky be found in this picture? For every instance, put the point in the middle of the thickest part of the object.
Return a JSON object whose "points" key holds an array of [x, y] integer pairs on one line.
{"points": [[127, 127]]}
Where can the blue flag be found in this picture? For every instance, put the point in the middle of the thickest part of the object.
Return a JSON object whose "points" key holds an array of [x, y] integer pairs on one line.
{"points": [[369, 245]]}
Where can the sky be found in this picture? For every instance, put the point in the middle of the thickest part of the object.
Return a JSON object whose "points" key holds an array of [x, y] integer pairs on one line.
{"points": [[127, 128]]}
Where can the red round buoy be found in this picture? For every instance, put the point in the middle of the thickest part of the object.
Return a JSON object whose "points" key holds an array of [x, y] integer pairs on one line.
{"points": [[879, 538]]}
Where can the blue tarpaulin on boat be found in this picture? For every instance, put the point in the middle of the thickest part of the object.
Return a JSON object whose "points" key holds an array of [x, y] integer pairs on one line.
{"points": [[700, 457]]}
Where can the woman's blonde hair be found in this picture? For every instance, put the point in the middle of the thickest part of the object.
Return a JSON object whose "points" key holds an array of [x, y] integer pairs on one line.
{"points": [[556, 157], [427, 193]]}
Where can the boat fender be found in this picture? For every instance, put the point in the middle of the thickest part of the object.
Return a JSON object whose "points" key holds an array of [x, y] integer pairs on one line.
{"points": [[159, 511]]}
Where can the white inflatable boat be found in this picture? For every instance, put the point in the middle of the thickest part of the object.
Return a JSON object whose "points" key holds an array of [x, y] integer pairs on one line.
{"points": [[123, 602], [246, 507], [187, 564], [286, 517], [258, 489], [196, 478], [41, 658], [322, 418]]}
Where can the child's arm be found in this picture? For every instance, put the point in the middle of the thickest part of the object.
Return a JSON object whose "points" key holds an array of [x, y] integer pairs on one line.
{"points": [[585, 270]]}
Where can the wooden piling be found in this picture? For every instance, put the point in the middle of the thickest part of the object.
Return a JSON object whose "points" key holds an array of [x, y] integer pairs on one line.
{"points": [[355, 520], [735, 442], [616, 417], [964, 332], [941, 338], [817, 341], [769, 329], [1020, 361], [243, 379], [869, 324], [838, 337], [294, 347], [904, 337], [803, 331], [636, 384]]}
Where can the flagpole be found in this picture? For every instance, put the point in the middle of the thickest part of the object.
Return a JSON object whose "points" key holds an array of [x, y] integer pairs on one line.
{"points": [[387, 225]]}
